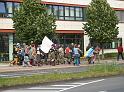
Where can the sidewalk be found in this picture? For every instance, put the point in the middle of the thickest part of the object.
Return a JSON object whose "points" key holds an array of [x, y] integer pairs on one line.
{"points": [[4, 67], [7, 68]]}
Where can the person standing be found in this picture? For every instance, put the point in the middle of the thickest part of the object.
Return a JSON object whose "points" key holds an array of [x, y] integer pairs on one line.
{"points": [[68, 54], [76, 55], [120, 52], [61, 54]]}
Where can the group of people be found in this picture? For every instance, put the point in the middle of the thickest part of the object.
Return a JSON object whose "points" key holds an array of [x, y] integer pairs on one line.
{"points": [[91, 53], [23, 54], [32, 55]]}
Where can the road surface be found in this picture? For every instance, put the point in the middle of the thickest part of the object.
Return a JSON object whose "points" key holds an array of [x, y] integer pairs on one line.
{"points": [[111, 84]]}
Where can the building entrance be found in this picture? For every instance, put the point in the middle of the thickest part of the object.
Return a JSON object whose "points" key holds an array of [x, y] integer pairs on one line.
{"points": [[67, 39]]}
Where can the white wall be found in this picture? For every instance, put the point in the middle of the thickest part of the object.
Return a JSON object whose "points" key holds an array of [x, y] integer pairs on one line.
{"points": [[6, 23], [86, 41], [84, 2], [113, 3], [121, 31], [69, 25]]}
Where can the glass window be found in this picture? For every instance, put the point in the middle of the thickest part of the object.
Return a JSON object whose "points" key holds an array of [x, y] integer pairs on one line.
{"points": [[71, 18], [9, 8], [50, 9], [4, 47], [16, 6], [61, 11], [122, 16], [71, 11], [79, 18], [2, 7], [55, 11], [78, 12], [84, 14], [67, 18], [114, 44], [66, 11], [118, 13]]}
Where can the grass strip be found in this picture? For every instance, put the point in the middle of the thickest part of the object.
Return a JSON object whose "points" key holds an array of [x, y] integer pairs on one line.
{"points": [[94, 71]]}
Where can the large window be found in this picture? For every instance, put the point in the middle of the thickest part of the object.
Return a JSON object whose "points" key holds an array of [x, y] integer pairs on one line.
{"points": [[2, 9], [55, 11], [72, 16], [49, 9], [120, 15], [79, 13], [67, 39], [114, 44], [111, 45], [67, 12], [16, 6], [4, 47], [59, 11], [7, 8]]}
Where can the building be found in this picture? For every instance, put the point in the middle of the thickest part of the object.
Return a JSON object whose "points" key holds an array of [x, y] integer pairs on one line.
{"points": [[70, 15]]}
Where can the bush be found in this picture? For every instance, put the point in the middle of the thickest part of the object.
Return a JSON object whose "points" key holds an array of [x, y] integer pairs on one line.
{"points": [[110, 55]]}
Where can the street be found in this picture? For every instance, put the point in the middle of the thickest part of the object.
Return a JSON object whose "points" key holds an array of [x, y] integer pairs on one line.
{"points": [[111, 84]]}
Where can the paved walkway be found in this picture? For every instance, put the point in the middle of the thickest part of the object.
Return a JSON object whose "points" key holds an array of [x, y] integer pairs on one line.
{"points": [[4, 67]]}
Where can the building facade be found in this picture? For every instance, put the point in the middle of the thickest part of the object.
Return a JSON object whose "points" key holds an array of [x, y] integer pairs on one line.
{"points": [[70, 16]]}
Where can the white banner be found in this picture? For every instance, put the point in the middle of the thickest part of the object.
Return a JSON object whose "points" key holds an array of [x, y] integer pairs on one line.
{"points": [[46, 45]]}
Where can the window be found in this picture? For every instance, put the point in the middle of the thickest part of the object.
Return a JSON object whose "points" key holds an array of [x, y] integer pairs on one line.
{"points": [[55, 11], [49, 9], [71, 13], [4, 47], [4, 42], [120, 15], [61, 12], [79, 13], [114, 44], [66, 13], [16, 6], [9, 8], [2, 9]]}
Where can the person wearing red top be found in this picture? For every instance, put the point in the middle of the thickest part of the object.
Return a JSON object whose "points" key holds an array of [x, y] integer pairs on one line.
{"points": [[68, 54], [120, 52]]}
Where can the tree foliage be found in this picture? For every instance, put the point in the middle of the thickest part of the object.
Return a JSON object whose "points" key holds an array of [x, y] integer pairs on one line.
{"points": [[101, 26], [32, 22]]}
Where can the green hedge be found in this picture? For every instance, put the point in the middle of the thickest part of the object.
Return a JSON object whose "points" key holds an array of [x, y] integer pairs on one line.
{"points": [[110, 55]]}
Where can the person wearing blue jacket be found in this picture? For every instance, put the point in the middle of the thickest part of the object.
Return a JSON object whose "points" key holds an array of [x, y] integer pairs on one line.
{"points": [[90, 54]]}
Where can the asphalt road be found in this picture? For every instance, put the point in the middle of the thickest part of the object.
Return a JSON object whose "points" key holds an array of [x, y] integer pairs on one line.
{"points": [[112, 84]]}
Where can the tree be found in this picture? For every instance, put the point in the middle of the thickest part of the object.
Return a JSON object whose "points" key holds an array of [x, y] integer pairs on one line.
{"points": [[102, 21], [32, 22]]}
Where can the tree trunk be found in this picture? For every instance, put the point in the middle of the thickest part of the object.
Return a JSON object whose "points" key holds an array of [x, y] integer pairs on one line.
{"points": [[102, 52]]}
